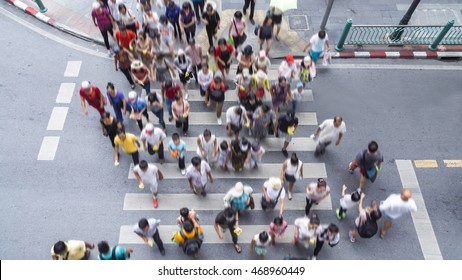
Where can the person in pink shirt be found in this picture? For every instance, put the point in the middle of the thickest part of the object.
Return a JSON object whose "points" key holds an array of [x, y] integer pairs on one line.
{"points": [[180, 110], [277, 229], [103, 20], [194, 51], [237, 30]]}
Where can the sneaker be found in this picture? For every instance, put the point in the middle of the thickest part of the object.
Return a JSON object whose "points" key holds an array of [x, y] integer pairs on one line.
{"points": [[162, 252], [338, 214], [203, 193], [344, 215], [155, 203], [350, 168], [290, 195], [252, 21], [352, 239], [219, 121], [194, 190], [313, 258], [109, 53], [285, 153], [183, 172], [170, 118], [186, 96]]}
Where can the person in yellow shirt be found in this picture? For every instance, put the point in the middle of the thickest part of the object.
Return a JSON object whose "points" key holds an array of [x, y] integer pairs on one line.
{"points": [[260, 84], [190, 238], [71, 250], [130, 145]]}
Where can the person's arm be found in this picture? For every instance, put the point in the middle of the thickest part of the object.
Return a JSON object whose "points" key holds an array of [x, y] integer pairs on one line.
{"points": [[160, 175], [199, 145], [209, 173], [115, 62], [116, 152], [243, 30], [94, 19], [301, 171], [340, 135], [103, 130], [153, 69], [230, 28], [316, 133], [326, 44], [360, 203], [180, 23], [190, 183], [231, 56], [145, 239], [215, 148], [144, 144], [218, 231], [175, 116], [344, 188], [265, 193], [295, 235], [281, 208], [137, 143], [307, 46], [252, 245], [283, 170], [172, 70], [124, 106], [82, 103], [140, 182]]}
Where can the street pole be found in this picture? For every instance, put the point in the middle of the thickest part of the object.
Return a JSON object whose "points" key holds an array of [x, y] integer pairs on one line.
{"points": [[42, 7], [326, 14], [396, 35]]}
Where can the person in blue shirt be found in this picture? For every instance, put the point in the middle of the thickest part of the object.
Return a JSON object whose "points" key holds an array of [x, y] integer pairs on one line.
{"points": [[117, 100], [137, 108], [173, 13], [177, 149], [113, 253]]}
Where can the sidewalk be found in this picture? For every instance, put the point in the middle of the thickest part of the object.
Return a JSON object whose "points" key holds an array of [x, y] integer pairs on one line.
{"points": [[298, 26]]}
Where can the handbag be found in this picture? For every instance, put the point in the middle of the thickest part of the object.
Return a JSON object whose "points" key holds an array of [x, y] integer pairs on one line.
{"points": [[270, 205], [240, 39]]}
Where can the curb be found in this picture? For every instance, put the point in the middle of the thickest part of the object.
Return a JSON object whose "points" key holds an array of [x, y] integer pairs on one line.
{"points": [[397, 54], [46, 19]]}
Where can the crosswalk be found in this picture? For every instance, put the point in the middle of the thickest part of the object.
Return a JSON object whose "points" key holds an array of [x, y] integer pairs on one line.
{"points": [[179, 194]]}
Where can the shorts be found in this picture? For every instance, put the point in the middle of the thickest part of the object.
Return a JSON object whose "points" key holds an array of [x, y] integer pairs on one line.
{"points": [[236, 128], [167, 41], [265, 36], [286, 136], [277, 19], [152, 187], [315, 55]]}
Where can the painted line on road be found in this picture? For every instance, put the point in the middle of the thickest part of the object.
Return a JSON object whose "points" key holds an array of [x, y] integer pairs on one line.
{"points": [[57, 118], [66, 90], [48, 148], [127, 236], [426, 163], [422, 222], [264, 171], [453, 163], [213, 201], [73, 68], [231, 95]]}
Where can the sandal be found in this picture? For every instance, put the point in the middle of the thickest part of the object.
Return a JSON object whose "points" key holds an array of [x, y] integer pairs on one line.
{"points": [[238, 248]]}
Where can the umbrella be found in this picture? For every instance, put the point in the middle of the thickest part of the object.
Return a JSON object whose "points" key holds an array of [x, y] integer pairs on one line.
{"points": [[284, 5]]}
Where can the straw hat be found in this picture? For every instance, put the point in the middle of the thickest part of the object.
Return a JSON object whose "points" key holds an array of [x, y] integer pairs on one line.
{"points": [[136, 64], [276, 183], [238, 189]]}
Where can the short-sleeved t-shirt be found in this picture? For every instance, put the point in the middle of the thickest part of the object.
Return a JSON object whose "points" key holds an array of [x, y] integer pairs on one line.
{"points": [[240, 26], [128, 145], [330, 133], [221, 220], [259, 243], [93, 98], [273, 194], [366, 160], [323, 234], [177, 238], [284, 124], [138, 105], [149, 177], [166, 31], [180, 109], [212, 19], [152, 228], [317, 44], [346, 202], [116, 101], [303, 232], [265, 63], [120, 254], [180, 148], [297, 96], [199, 178], [394, 207], [156, 136], [233, 118], [317, 195], [102, 19], [170, 93], [75, 250], [124, 41]]}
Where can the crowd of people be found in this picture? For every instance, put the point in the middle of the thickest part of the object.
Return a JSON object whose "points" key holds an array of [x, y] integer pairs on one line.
{"points": [[145, 54]]}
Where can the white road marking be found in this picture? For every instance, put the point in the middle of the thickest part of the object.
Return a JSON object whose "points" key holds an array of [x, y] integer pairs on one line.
{"points": [[422, 222], [48, 148], [66, 90], [72, 68], [57, 118]]}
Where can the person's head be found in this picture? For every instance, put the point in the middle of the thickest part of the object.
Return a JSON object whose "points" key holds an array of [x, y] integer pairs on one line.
{"points": [[143, 225], [186, 7], [163, 20], [160, 57], [178, 99], [265, 108], [184, 212], [123, 29], [196, 162], [406, 194], [149, 128], [263, 237], [238, 16], [143, 165], [372, 147], [132, 96], [60, 248], [300, 87], [314, 220], [111, 89], [209, 8], [248, 51], [168, 84], [276, 183], [122, 8], [238, 189], [96, 6], [322, 34], [338, 121], [282, 81], [307, 60], [116, 49], [86, 86], [355, 196], [176, 138], [141, 36], [207, 134], [212, 50], [321, 185], [290, 59], [103, 247], [222, 43], [262, 55], [171, 5], [217, 81], [192, 43], [229, 214], [278, 221], [106, 116], [205, 67], [244, 144], [374, 211], [333, 229], [255, 146], [290, 115], [188, 226], [121, 133], [224, 145], [294, 159], [268, 21], [252, 98]]}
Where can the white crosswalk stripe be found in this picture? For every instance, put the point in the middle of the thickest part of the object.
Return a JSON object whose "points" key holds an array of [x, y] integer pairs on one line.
{"points": [[231, 96]]}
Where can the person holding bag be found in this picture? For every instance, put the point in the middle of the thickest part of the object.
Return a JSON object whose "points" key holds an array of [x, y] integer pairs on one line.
{"points": [[292, 171], [237, 30], [273, 192]]}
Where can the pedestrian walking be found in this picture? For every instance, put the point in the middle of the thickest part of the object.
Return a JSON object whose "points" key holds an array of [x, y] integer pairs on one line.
{"points": [[276, 14], [198, 174], [326, 234], [291, 172], [180, 111], [148, 230], [215, 95], [239, 198], [143, 49], [117, 100], [245, 60], [109, 126], [263, 63], [127, 18], [148, 175], [187, 21], [177, 149], [212, 60], [204, 78], [137, 108], [92, 95], [141, 74], [102, 19], [240, 153], [71, 250], [155, 104], [194, 52], [169, 91], [236, 31], [226, 220], [256, 154], [250, 3], [259, 243], [211, 19], [122, 62], [207, 147], [369, 162], [394, 207], [189, 238], [236, 118], [224, 53], [244, 85], [223, 155], [280, 93], [315, 193], [288, 68], [273, 192], [152, 139], [129, 144], [167, 32], [173, 14], [305, 232], [347, 201], [125, 38], [260, 84], [297, 96], [162, 69], [317, 45], [265, 34], [185, 215], [183, 65], [328, 131], [151, 28], [307, 70], [264, 119], [285, 128], [113, 253], [199, 9], [366, 223], [277, 229]]}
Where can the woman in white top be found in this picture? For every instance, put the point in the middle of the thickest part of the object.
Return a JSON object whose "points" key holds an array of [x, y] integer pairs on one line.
{"points": [[184, 66], [127, 18], [151, 21], [207, 147], [315, 192], [273, 192], [306, 230], [291, 171], [205, 78]]}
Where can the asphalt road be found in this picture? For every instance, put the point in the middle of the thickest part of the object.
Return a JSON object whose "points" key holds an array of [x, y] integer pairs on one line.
{"points": [[413, 114]]}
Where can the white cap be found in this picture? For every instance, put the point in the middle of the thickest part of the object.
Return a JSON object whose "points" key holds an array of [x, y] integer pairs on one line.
{"points": [[96, 5], [238, 189], [276, 183], [180, 52], [307, 59], [132, 95], [85, 84], [149, 127]]}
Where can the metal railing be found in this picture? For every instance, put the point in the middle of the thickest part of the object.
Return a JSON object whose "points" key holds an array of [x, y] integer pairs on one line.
{"points": [[400, 35]]}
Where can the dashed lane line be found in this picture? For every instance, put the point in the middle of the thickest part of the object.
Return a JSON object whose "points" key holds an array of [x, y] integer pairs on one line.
{"points": [[48, 148]]}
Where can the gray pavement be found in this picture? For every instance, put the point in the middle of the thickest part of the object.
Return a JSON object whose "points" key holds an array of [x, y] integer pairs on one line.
{"points": [[413, 114]]}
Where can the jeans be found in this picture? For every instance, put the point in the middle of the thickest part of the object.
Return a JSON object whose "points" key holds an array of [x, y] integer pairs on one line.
{"points": [[160, 152], [294, 105], [160, 114], [147, 86], [169, 106]]}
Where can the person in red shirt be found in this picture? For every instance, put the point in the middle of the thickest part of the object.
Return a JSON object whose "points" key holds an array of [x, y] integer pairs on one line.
{"points": [[93, 96], [169, 91], [224, 53], [125, 38]]}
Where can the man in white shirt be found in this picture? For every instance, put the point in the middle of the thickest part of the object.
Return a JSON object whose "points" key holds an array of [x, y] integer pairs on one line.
{"points": [[152, 139], [329, 131], [236, 117], [148, 230], [317, 44], [198, 173], [394, 207], [147, 175]]}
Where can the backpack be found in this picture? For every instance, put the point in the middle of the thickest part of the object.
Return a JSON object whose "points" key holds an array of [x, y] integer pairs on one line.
{"points": [[191, 246], [368, 229], [255, 31], [113, 255]]}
